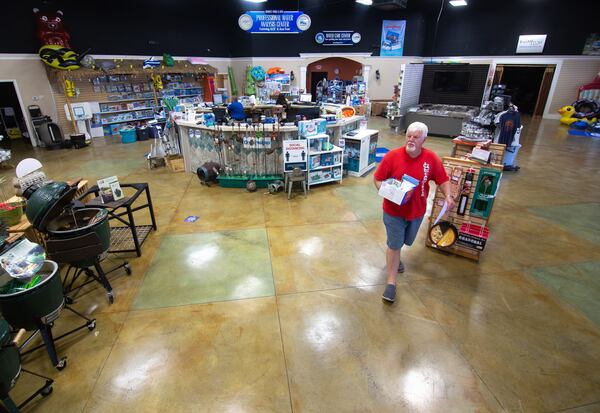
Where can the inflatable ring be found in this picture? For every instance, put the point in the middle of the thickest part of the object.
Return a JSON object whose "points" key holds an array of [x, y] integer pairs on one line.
{"points": [[581, 104], [348, 111], [275, 70]]}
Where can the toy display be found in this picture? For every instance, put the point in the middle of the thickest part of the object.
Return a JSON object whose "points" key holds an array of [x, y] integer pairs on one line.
{"points": [[585, 110], [55, 50], [581, 128]]}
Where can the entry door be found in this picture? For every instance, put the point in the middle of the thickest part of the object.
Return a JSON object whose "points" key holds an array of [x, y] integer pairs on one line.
{"points": [[316, 77]]}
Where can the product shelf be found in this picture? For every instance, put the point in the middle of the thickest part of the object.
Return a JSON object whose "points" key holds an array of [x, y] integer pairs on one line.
{"points": [[126, 100], [325, 167], [130, 110], [336, 149], [324, 181], [127, 121]]}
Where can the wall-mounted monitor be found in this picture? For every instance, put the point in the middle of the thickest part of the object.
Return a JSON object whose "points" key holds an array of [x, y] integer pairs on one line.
{"points": [[451, 81]]}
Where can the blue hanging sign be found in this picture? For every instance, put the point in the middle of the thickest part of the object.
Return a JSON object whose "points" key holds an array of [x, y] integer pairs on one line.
{"points": [[274, 21], [392, 37], [337, 38]]}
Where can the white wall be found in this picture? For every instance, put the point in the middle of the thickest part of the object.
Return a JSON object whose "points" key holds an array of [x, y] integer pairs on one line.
{"points": [[32, 83], [571, 72]]}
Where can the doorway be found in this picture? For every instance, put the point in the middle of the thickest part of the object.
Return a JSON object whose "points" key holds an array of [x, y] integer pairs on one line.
{"points": [[339, 68], [12, 119], [315, 78], [528, 85]]}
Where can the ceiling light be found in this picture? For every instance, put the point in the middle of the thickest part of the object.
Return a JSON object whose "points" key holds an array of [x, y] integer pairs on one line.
{"points": [[458, 3], [365, 2], [256, 1]]}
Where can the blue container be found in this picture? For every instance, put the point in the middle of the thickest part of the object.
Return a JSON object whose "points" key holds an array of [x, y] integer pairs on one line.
{"points": [[511, 155], [380, 153], [128, 135]]}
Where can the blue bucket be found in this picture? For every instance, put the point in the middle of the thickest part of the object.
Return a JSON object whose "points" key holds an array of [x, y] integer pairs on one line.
{"points": [[511, 154], [380, 153], [128, 135]]}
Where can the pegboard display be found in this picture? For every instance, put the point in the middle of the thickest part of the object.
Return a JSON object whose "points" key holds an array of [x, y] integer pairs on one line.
{"points": [[463, 149], [464, 230]]}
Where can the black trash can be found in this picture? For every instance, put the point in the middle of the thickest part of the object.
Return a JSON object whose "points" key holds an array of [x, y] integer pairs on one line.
{"points": [[143, 133]]}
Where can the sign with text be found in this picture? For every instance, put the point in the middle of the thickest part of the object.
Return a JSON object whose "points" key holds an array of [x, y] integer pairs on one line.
{"points": [[531, 43], [392, 37], [337, 38], [295, 154], [274, 22]]}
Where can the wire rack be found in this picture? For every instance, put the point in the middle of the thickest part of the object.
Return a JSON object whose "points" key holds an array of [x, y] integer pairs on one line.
{"points": [[121, 238]]}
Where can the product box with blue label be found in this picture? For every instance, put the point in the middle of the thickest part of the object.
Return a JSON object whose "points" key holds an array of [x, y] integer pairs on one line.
{"points": [[320, 125], [399, 192], [306, 128]]}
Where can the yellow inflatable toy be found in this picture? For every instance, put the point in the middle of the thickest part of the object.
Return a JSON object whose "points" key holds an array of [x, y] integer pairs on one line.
{"points": [[567, 115], [60, 57], [583, 110]]}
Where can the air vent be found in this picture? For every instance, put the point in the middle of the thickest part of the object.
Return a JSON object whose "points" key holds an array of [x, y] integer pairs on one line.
{"points": [[389, 4]]}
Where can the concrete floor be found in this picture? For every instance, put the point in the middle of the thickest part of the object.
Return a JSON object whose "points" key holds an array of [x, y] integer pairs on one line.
{"points": [[270, 305]]}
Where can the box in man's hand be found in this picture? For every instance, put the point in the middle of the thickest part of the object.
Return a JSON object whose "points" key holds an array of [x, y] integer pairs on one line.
{"points": [[399, 192]]}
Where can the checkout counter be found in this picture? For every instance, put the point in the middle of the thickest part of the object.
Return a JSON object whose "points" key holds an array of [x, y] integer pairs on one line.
{"points": [[234, 145]]}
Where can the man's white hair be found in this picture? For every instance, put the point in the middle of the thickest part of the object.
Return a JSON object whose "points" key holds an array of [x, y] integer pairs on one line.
{"points": [[417, 127]]}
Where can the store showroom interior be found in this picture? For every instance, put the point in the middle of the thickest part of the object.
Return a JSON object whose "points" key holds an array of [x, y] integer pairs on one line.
{"points": [[300, 206]]}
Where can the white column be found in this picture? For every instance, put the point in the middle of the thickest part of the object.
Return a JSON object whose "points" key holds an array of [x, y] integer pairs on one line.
{"points": [[302, 84], [366, 72]]}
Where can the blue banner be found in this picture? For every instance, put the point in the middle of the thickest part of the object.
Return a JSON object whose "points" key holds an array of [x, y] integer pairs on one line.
{"points": [[392, 37], [274, 21], [337, 38]]}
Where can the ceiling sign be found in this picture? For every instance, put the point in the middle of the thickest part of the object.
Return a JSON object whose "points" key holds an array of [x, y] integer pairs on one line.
{"points": [[274, 22], [337, 38], [531, 43]]}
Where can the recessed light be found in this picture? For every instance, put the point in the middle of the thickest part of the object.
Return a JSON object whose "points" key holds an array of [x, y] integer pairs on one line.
{"points": [[458, 3], [365, 2]]}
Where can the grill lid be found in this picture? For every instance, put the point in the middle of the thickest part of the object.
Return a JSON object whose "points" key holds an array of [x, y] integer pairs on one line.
{"points": [[48, 202]]}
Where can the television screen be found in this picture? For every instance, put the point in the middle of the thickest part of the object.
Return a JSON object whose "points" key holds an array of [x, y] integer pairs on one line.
{"points": [[451, 81]]}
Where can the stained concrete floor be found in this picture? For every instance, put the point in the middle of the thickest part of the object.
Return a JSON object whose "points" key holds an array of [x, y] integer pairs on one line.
{"points": [[270, 305]]}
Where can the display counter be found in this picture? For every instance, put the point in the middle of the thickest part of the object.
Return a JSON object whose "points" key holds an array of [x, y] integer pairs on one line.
{"points": [[246, 150]]}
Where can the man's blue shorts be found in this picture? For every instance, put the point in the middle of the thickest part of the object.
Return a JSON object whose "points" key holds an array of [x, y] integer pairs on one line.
{"points": [[400, 231]]}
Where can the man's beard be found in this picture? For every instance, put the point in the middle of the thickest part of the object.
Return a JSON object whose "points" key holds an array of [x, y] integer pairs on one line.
{"points": [[411, 148]]}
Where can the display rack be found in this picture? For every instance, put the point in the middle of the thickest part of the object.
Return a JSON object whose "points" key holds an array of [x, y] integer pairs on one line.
{"points": [[360, 150], [463, 149], [127, 82], [472, 227], [324, 160]]}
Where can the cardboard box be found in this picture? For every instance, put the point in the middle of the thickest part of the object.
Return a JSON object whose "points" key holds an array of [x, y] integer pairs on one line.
{"points": [[399, 192]]}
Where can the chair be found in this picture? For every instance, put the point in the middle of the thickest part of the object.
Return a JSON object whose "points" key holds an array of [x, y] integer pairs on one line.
{"points": [[296, 175]]}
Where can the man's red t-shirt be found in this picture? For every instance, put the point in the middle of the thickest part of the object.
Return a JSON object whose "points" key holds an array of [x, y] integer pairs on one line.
{"points": [[425, 167]]}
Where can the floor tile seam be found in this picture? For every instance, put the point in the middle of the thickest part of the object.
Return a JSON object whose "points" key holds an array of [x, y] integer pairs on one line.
{"points": [[569, 204], [575, 407], [307, 224], [379, 244], [179, 202], [456, 347], [565, 305], [105, 361], [285, 364], [141, 310], [449, 277]]}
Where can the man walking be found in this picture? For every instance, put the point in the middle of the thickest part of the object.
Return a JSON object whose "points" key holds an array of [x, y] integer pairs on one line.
{"points": [[402, 221]]}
